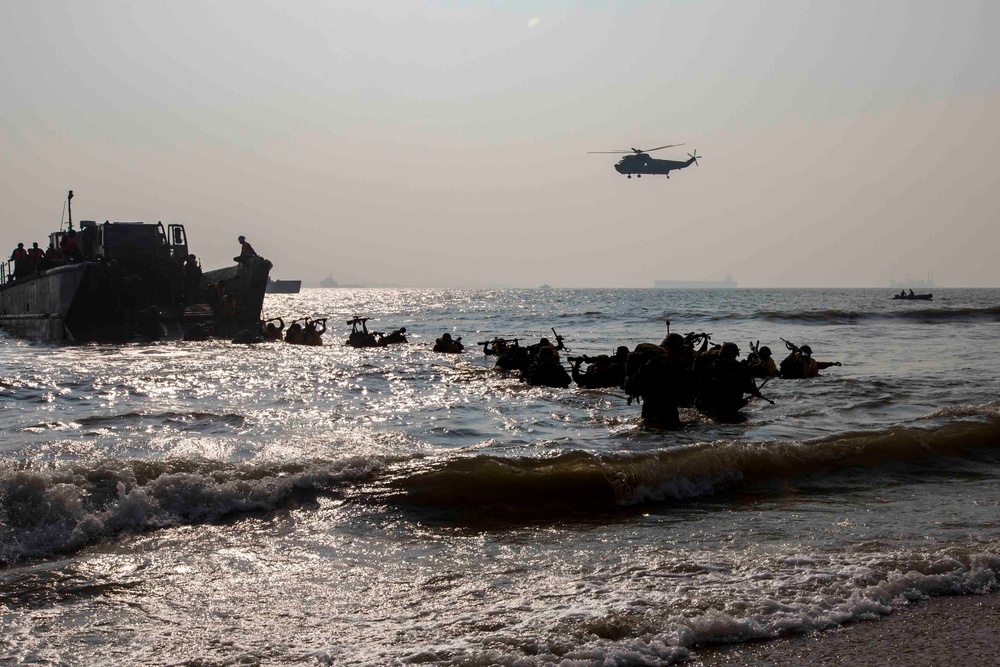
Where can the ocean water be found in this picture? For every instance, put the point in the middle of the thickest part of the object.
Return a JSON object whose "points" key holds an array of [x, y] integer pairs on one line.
{"points": [[212, 504]]}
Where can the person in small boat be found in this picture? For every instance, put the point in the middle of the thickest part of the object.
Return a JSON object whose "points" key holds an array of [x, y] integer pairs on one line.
{"points": [[724, 385], [246, 250], [271, 331], [911, 293], [902, 294], [545, 369], [448, 344], [397, 336]]}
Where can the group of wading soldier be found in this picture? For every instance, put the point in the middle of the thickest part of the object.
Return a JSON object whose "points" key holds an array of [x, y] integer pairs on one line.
{"points": [[680, 372], [685, 371], [537, 364]]}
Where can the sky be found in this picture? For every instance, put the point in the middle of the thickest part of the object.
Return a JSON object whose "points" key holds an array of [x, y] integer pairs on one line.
{"points": [[420, 143]]}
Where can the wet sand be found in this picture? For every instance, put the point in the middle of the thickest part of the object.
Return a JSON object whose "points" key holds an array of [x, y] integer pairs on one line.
{"points": [[963, 630]]}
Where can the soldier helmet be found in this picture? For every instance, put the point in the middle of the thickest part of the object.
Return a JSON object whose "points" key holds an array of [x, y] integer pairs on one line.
{"points": [[765, 351], [729, 350], [674, 340], [805, 349]]}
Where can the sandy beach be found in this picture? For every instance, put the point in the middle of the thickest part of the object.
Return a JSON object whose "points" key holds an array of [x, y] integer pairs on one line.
{"points": [[962, 630]]}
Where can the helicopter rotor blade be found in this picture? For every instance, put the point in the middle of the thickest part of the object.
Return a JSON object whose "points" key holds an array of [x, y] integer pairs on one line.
{"points": [[694, 157], [606, 152], [650, 150]]}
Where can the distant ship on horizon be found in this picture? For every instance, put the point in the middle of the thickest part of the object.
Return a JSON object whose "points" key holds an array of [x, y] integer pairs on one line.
{"points": [[328, 281], [727, 283]]}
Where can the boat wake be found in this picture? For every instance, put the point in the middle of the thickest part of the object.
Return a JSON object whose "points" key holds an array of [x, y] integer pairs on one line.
{"points": [[839, 316]]}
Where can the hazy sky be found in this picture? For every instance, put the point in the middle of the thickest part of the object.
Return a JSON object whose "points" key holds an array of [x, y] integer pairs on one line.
{"points": [[445, 143]]}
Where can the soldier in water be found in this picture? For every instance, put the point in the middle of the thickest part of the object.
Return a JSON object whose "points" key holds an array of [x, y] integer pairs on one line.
{"points": [[448, 344], [800, 363], [602, 370], [545, 369], [723, 387], [660, 376]]}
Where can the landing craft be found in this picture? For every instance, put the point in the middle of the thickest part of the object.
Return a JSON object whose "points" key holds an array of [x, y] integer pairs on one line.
{"points": [[638, 162]]}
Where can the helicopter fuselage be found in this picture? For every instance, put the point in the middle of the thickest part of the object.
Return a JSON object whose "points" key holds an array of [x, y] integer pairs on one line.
{"points": [[641, 163]]}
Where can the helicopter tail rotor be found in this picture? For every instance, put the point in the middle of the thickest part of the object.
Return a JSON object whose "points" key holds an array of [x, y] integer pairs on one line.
{"points": [[694, 157]]}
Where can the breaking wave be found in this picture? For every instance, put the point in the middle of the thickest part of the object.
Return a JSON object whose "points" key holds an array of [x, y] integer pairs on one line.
{"points": [[584, 482], [62, 509]]}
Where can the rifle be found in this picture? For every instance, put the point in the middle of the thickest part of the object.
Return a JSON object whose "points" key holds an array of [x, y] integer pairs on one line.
{"points": [[756, 390], [791, 346], [559, 339]]}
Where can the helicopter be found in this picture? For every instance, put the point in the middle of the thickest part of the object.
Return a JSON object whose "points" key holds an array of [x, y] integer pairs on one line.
{"points": [[638, 161]]}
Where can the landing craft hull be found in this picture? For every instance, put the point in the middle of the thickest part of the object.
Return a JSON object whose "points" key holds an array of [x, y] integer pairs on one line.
{"points": [[38, 306], [71, 303]]}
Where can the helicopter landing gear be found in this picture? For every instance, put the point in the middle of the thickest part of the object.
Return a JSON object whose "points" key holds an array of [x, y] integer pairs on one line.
{"points": [[630, 175], [638, 175]]}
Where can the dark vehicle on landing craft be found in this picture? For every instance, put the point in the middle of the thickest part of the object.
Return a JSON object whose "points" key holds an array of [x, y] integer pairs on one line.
{"points": [[638, 162], [123, 281]]}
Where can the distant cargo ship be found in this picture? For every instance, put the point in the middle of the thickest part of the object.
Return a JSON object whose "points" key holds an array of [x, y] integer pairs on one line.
{"points": [[909, 282], [328, 282], [695, 284], [283, 286]]}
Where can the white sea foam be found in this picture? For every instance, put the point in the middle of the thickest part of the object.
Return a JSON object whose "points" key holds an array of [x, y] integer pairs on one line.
{"points": [[60, 509]]}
